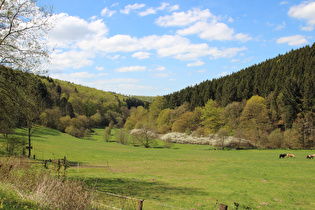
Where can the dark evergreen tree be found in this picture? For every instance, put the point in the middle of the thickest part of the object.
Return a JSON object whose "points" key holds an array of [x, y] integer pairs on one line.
{"points": [[69, 110], [63, 106]]}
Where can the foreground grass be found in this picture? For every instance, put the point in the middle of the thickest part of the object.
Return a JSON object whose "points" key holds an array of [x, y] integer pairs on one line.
{"points": [[186, 176]]}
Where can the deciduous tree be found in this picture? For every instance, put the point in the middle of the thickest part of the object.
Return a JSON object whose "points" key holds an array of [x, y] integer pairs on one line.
{"points": [[211, 116], [23, 27]]}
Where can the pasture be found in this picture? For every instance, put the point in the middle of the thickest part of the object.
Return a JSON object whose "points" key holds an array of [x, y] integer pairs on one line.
{"points": [[185, 176]]}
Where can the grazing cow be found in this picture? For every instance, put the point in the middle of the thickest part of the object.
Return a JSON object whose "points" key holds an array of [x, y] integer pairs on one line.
{"points": [[309, 156], [290, 155], [282, 155]]}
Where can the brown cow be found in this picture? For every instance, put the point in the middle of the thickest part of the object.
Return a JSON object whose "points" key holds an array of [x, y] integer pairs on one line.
{"points": [[290, 155], [309, 157]]}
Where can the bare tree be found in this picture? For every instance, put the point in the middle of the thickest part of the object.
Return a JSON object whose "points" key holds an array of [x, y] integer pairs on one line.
{"points": [[144, 136], [23, 27], [222, 135]]}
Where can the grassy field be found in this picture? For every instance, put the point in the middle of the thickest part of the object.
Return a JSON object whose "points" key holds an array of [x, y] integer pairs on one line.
{"points": [[185, 176]]}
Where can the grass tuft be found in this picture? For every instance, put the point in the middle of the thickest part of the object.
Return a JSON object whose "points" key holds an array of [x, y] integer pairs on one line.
{"points": [[25, 183]]}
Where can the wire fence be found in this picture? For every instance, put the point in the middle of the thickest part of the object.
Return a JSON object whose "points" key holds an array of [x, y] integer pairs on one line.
{"points": [[114, 201]]}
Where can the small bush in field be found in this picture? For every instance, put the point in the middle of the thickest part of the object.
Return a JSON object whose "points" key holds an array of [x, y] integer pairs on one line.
{"points": [[107, 132], [121, 137]]}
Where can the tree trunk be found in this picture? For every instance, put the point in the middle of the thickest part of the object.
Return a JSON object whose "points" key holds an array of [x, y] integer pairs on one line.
{"points": [[29, 142]]}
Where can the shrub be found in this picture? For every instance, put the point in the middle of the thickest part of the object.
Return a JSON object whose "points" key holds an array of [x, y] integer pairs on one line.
{"points": [[73, 131], [145, 136], [106, 135], [164, 129], [121, 137], [15, 146]]}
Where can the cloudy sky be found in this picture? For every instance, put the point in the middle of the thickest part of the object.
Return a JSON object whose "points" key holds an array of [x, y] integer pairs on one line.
{"points": [[158, 47]]}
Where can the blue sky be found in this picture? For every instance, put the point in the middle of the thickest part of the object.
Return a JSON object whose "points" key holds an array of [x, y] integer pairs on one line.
{"points": [[158, 47]]}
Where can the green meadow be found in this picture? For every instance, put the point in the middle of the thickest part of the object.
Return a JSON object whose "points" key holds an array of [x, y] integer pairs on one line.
{"points": [[183, 176]]}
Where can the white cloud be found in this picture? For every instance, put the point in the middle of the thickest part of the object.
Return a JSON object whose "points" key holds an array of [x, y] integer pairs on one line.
{"points": [[226, 53], [79, 41], [131, 69], [82, 75], [284, 2], [71, 59], [304, 11], [197, 63], [99, 68], [115, 84], [202, 23], [280, 26], [141, 55], [209, 31], [117, 43], [78, 77], [180, 48], [163, 6], [167, 6], [222, 74], [148, 12], [184, 19], [130, 7], [115, 81], [108, 13], [293, 40], [113, 57], [242, 37], [70, 29], [160, 68], [161, 75], [214, 31]]}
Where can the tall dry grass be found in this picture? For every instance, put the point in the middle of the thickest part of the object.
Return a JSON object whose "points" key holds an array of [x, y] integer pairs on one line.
{"points": [[41, 187]]}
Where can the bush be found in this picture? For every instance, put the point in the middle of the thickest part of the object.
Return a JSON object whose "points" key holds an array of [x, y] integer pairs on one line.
{"points": [[73, 131], [15, 146], [106, 135], [121, 137], [145, 137], [165, 129]]}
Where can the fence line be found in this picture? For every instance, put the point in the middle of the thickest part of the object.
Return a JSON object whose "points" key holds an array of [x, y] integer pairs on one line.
{"points": [[160, 204], [140, 204], [100, 204]]}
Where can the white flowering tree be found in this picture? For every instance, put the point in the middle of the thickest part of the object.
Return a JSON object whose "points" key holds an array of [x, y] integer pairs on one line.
{"points": [[23, 27]]}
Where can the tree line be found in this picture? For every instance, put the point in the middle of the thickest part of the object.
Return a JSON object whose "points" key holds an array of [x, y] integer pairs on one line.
{"points": [[28, 100], [272, 104]]}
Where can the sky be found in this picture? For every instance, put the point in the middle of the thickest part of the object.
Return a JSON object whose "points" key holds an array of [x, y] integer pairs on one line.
{"points": [[151, 48]]}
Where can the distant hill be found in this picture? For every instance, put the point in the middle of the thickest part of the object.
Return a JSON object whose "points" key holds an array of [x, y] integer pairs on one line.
{"points": [[28, 99]]}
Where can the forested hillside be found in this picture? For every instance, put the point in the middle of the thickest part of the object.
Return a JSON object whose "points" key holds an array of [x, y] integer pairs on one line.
{"points": [[272, 104], [29, 100], [290, 77]]}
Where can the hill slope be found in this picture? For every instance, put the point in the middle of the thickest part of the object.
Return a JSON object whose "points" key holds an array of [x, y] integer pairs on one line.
{"points": [[295, 69]]}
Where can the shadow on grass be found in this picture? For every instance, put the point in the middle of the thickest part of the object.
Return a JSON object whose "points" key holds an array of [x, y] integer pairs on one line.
{"points": [[37, 132], [50, 132], [140, 189]]}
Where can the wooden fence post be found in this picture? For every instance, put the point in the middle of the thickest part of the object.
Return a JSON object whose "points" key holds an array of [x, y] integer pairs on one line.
{"points": [[140, 204]]}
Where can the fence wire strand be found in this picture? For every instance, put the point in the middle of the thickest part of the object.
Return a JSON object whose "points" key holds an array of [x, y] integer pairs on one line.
{"points": [[136, 199]]}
